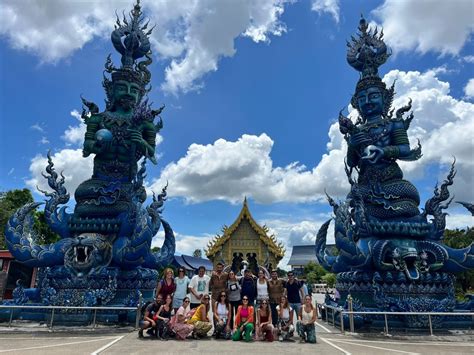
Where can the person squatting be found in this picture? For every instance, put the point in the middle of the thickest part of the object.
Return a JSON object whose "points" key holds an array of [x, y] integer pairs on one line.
{"points": [[246, 308]]}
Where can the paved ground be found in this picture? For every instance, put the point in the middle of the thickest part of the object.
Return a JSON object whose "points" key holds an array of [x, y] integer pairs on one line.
{"points": [[41, 341]]}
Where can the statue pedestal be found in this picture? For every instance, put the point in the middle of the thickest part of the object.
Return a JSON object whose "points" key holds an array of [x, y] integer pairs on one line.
{"points": [[393, 292], [111, 287]]}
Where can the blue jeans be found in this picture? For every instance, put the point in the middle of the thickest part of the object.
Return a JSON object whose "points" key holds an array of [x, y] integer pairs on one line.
{"points": [[296, 307]]}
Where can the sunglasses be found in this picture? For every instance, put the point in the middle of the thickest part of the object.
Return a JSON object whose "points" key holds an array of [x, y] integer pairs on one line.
{"points": [[245, 299], [223, 295], [181, 270], [187, 301], [264, 303], [206, 298]]}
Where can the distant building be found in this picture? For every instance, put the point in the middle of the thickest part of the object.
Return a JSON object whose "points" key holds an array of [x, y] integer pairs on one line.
{"points": [[10, 272], [301, 255], [245, 237], [191, 264]]}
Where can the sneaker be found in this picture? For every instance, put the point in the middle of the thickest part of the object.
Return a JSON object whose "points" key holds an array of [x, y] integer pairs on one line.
{"points": [[150, 331], [195, 336], [140, 333], [280, 338]]}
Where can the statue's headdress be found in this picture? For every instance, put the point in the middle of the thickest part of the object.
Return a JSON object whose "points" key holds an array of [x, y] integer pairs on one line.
{"points": [[366, 54], [131, 41]]}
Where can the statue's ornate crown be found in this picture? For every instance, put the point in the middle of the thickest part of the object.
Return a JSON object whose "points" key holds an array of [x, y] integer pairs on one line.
{"points": [[367, 52], [130, 39]]}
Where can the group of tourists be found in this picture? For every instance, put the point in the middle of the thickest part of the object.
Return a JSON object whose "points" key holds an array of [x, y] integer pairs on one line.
{"points": [[243, 308]]}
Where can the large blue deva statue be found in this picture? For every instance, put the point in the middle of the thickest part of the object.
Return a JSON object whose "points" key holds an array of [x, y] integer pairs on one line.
{"points": [[103, 255], [390, 256]]}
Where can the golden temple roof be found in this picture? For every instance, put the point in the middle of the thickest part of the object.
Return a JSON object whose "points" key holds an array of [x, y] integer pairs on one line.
{"points": [[218, 241]]}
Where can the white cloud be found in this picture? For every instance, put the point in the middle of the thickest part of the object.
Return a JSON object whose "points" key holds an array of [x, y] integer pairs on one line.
{"points": [[37, 127], [185, 244], [191, 36], [43, 140], [299, 232], [469, 88], [329, 6], [74, 135], [426, 25], [69, 161], [444, 125], [468, 58], [231, 170]]}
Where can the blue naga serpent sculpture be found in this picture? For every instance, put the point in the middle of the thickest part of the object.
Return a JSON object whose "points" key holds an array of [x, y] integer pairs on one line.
{"points": [[87, 252], [385, 246], [390, 256], [110, 227]]}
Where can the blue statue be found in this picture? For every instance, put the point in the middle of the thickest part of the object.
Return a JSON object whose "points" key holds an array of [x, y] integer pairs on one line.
{"points": [[104, 254], [390, 255]]}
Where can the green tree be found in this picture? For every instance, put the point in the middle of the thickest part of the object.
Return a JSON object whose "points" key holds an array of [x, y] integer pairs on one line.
{"points": [[461, 238], [329, 279], [10, 201], [315, 271]]}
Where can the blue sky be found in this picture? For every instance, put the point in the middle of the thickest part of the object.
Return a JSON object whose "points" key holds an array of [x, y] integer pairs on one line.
{"points": [[252, 90]]}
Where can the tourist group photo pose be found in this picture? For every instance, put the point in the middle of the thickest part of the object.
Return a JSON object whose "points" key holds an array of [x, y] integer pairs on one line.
{"points": [[242, 308]]}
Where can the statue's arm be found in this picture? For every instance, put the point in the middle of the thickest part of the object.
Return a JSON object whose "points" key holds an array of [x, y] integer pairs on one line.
{"points": [[352, 156], [146, 140], [399, 145], [93, 125]]}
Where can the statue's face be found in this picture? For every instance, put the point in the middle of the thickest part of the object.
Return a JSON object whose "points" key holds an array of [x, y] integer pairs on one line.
{"points": [[370, 102], [126, 94]]}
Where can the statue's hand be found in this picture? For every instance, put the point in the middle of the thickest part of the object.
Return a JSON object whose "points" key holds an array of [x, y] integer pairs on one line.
{"points": [[137, 138], [372, 154], [358, 138]]}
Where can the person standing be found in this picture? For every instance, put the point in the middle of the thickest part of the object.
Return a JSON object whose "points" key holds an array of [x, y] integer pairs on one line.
{"points": [[262, 287], [249, 287], [199, 287], [182, 283], [294, 292], [218, 282], [233, 291], [166, 286], [276, 289]]}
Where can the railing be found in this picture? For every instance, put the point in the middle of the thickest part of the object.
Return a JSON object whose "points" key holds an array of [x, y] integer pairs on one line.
{"points": [[95, 309], [342, 312]]}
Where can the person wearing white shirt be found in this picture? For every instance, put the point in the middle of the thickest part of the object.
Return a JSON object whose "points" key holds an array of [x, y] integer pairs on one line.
{"points": [[199, 287]]}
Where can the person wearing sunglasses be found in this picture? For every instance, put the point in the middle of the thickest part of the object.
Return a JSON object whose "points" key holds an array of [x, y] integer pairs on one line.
{"points": [[233, 294], [244, 318], [264, 326], [181, 328], [200, 319], [182, 282], [221, 311], [306, 320]]}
